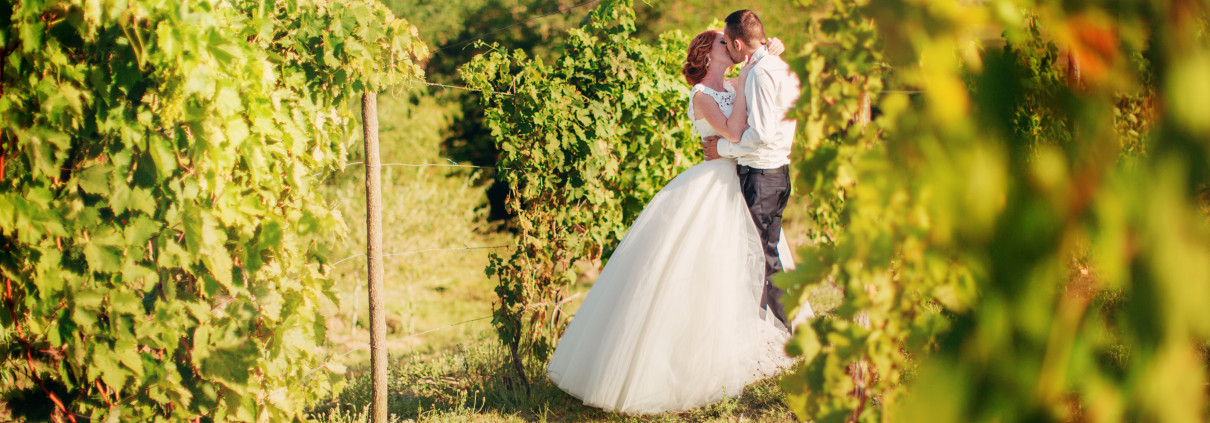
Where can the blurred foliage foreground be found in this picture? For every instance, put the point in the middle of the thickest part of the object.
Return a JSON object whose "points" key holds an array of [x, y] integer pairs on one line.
{"points": [[1017, 229], [1008, 193]]}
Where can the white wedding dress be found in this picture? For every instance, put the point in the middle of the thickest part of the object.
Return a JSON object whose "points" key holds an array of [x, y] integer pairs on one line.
{"points": [[674, 321]]}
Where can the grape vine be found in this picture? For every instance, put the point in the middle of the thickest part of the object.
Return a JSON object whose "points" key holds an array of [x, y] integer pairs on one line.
{"points": [[586, 142], [157, 217]]}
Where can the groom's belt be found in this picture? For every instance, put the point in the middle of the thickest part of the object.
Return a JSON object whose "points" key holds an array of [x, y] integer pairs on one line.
{"points": [[743, 169]]}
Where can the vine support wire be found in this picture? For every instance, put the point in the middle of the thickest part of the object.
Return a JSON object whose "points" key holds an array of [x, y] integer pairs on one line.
{"points": [[404, 253], [451, 164]]}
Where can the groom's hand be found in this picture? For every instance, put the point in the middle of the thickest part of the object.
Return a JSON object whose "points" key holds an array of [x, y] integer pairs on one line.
{"points": [[710, 147]]}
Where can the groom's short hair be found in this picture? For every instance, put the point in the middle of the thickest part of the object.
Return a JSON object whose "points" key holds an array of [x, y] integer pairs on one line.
{"points": [[745, 25]]}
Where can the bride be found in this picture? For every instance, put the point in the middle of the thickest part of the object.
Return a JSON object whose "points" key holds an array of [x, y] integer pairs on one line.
{"points": [[674, 320]]}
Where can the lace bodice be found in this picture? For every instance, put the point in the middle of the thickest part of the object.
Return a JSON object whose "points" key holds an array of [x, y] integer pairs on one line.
{"points": [[725, 100]]}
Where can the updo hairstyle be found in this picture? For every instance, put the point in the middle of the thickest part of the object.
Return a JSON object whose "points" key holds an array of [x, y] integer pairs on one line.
{"points": [[698, 58]]}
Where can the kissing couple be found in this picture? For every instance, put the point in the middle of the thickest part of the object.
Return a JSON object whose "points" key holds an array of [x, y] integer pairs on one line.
{"points": [[684, 313]]}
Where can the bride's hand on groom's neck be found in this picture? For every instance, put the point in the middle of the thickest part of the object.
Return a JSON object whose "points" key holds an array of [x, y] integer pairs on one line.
{"points": [[775, 46]]}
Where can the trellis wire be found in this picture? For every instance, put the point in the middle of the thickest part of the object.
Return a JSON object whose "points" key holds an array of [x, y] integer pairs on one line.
{"points": [[404, 253]]}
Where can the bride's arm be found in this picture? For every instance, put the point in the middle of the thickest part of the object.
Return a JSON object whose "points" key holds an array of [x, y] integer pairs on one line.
{"points": [[730, 128]]}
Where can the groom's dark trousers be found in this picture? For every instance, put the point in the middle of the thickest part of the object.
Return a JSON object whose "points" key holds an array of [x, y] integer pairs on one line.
{"points": [[767, 191]]}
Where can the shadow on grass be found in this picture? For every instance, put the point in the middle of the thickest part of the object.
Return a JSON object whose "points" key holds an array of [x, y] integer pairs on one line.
{"points": [[471, 382]]}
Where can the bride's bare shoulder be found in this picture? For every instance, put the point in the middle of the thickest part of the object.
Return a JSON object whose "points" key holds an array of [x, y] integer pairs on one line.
{"points": [[701, 97], [702, 105]]}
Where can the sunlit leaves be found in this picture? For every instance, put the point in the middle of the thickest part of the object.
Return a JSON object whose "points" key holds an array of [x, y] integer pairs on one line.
{"points": [[156, 201], [1039, 208], [1189, 92]]}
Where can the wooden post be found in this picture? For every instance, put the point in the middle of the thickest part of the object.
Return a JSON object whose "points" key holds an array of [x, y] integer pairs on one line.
{"points": [[378, 327]]}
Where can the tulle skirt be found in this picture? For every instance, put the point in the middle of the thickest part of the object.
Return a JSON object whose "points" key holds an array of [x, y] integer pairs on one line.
{"points": [[674, 320]]}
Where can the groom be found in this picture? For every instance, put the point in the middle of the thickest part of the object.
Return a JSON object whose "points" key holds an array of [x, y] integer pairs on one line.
{"points": [[763, 153]]}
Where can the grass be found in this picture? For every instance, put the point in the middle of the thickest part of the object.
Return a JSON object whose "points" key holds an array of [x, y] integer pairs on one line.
{"points": [[470, 382]]}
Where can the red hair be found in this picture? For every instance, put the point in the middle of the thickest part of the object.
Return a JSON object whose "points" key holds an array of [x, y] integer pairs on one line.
{"points": [[698, 57]]}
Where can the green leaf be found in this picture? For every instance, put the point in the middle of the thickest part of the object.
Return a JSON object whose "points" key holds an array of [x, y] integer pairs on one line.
{"points": [[87, 300], [270, 235], [95, 179], [167, 37], [47, 275], [102, 258], [237, 131], [202, 234], [199, 81], [271, 305], [227, 102], [140, 229], [140, 199], [72, 96], [31, 35], [162, 156], [220, 267], [135, 273], [109, 368], [8, 213]]}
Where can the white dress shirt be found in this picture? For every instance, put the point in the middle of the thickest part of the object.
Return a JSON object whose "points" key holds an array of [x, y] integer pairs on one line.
{"points": [[771, 90]]}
